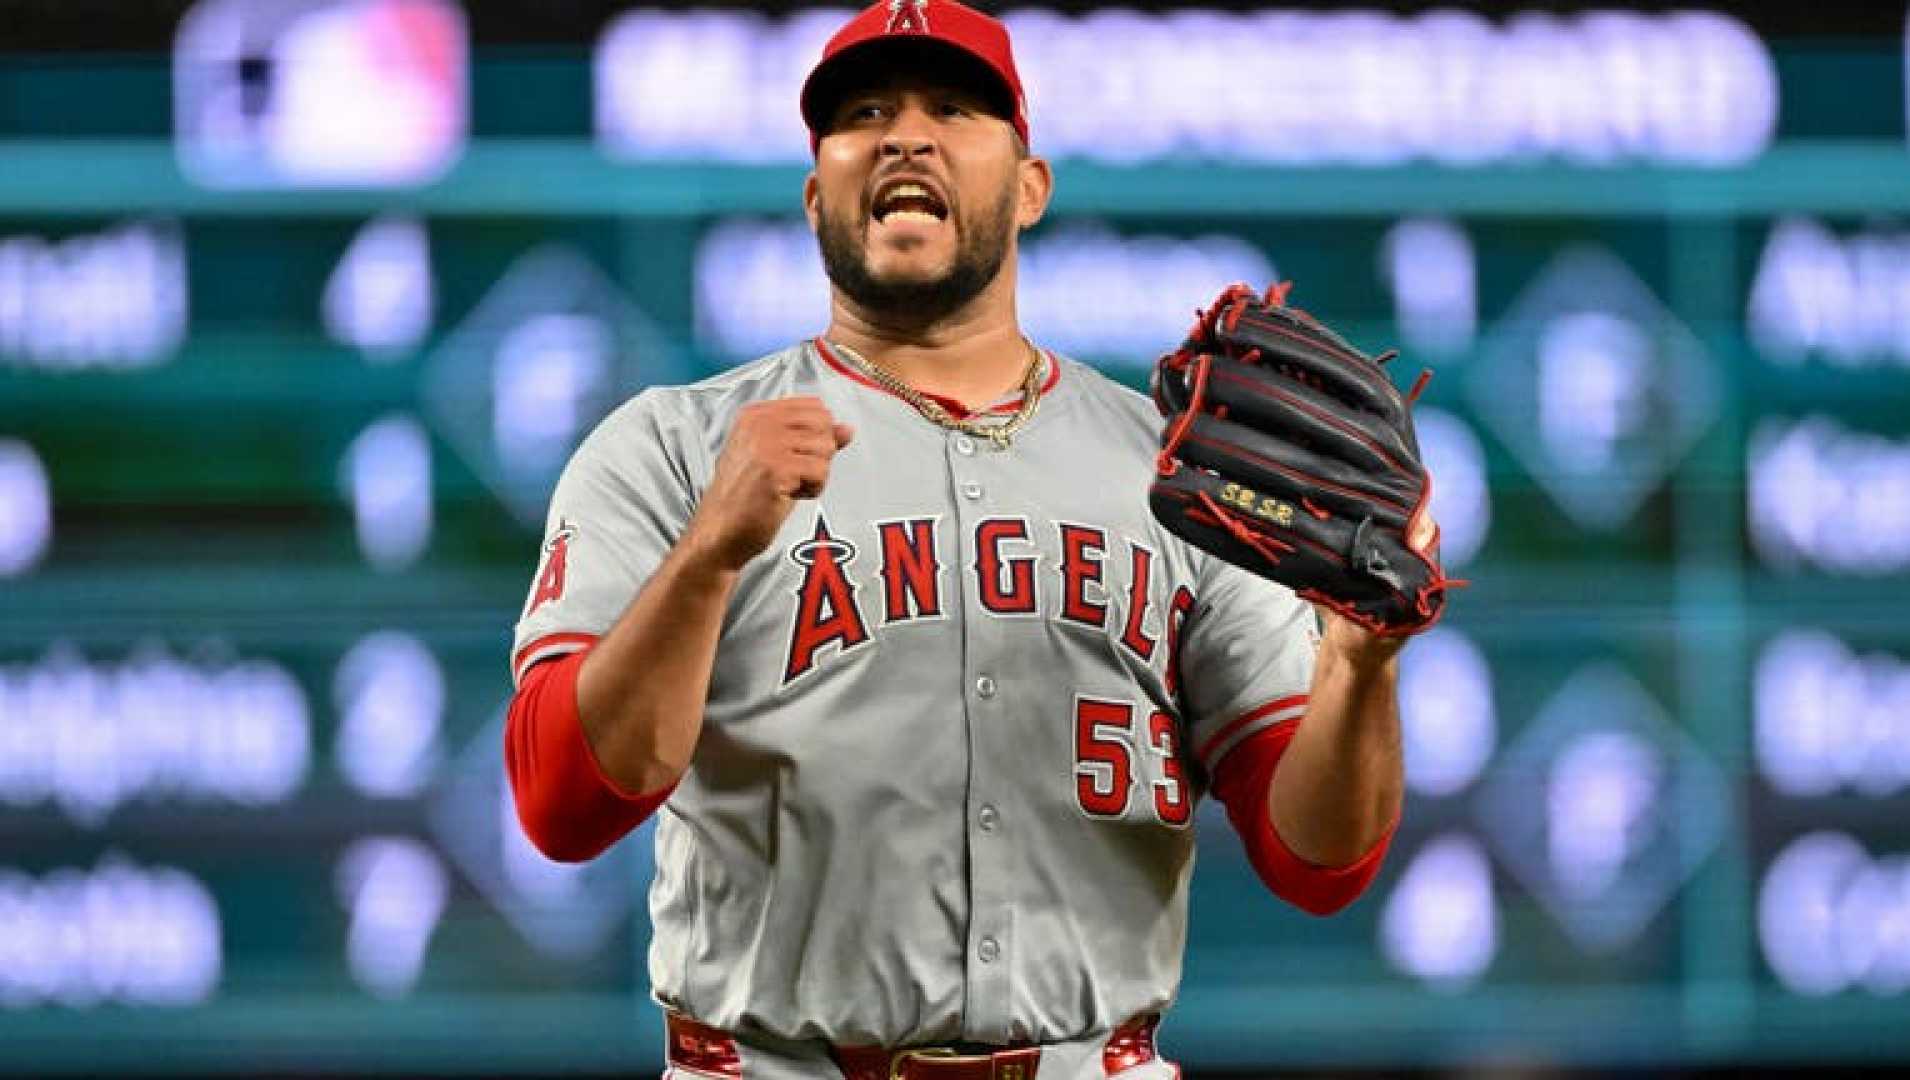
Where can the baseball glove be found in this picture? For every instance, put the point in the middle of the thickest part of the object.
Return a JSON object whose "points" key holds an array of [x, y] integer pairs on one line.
{"points": [[1290, 453]]}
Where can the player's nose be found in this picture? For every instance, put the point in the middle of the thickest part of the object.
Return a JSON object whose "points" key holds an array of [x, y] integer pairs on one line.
{"points": [[910, 134]]}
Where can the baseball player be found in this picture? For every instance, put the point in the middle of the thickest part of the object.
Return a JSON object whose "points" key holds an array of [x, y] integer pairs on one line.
{"points": [[922, 641]]}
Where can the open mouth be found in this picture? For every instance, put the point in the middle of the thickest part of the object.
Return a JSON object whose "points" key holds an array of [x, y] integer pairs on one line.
{"points": [[909, 201]]}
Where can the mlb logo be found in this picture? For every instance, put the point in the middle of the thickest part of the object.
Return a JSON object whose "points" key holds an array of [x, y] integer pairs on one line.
{"points": [[319, 93]]}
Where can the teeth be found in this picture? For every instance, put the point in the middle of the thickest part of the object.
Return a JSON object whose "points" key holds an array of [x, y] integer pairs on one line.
{"points": [[906, 190], [910, 215]]}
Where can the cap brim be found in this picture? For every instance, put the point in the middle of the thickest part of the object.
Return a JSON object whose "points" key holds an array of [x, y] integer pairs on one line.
{"points": [[871, 60]]}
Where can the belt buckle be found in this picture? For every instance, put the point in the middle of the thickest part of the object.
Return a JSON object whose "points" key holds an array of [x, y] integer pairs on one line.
{"points": [[899, 1061]]}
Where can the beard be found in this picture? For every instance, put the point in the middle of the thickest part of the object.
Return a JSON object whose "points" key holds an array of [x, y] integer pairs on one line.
{"points": [[917, 301]]}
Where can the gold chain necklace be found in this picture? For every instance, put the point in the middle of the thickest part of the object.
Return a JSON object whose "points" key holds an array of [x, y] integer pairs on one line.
{"points": [[999, 434]]}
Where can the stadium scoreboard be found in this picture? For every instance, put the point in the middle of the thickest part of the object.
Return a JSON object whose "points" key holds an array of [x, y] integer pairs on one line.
{"points": [[285, 383]]}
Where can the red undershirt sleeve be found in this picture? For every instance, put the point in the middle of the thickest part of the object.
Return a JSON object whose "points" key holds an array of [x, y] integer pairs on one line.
{"points": [[568, 808], [1242, 781]]}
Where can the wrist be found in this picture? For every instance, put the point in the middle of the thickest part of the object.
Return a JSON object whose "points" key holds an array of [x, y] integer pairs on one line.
{"points": [[695, 561], [1355, 645]]}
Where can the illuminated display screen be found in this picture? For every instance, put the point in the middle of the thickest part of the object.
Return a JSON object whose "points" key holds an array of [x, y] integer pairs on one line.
{"points": [[281, 404]]}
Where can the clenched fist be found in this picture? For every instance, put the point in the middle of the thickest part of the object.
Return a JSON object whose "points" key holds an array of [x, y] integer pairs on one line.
{"points": [[778, 452]]}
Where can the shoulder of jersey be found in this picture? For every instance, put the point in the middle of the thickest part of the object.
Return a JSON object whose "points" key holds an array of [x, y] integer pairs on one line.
{"points": [[1129, 408], [679, 417], [757, 375], [770, 376]]}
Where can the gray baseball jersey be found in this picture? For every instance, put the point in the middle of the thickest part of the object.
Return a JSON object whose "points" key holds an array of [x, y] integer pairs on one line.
{"points": [[958, 718]]}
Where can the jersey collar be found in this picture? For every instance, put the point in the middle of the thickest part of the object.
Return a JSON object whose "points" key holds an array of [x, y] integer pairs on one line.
{"points": [[955, 408]]}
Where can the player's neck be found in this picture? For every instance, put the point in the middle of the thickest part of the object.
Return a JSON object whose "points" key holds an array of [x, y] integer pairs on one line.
{"points": [[976, 357]]}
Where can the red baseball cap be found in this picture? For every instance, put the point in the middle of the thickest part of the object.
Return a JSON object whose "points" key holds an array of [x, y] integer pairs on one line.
{"points": [[944, 25]]}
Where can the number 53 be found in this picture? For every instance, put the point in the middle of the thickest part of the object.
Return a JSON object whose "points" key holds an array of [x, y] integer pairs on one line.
{"points": [[1105, 742]]}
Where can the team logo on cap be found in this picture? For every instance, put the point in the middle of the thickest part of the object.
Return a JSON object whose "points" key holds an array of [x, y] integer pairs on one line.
{"points": [[907, 17]]}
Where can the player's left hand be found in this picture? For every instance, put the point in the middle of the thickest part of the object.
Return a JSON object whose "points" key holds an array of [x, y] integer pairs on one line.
{"points": [[1291, 454]]}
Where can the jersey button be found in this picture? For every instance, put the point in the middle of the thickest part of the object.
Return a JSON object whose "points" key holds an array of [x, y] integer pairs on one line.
{"points": [[964, 445], [972, 492], [985, 686], [989, 950], [988, 818]]}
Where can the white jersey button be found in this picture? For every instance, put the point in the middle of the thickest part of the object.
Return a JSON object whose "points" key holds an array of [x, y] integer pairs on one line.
{"points": [[989, 950], [972, 492], [964, 445], [985, 686], [988, 818]]}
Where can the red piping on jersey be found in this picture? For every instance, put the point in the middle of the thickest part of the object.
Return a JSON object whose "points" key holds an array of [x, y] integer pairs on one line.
{"points": [[1243, 783], [955, 408], [527, 655], [1219, 738], [568, 807]]}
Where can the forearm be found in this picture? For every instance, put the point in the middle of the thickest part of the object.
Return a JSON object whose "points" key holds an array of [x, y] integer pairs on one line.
{"points": [[1339, 786], [642, 689]]}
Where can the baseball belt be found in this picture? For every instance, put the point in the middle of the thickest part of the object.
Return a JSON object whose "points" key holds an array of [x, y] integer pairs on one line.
{"points": [[698, 1048]]}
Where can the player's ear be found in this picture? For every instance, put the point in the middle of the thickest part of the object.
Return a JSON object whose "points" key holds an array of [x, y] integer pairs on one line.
{"points": [[1035, 182], [810, 190]]}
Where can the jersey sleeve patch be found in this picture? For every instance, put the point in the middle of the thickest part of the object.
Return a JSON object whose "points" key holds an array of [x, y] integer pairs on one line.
{"points": [[550, 579], [621, 503]]}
